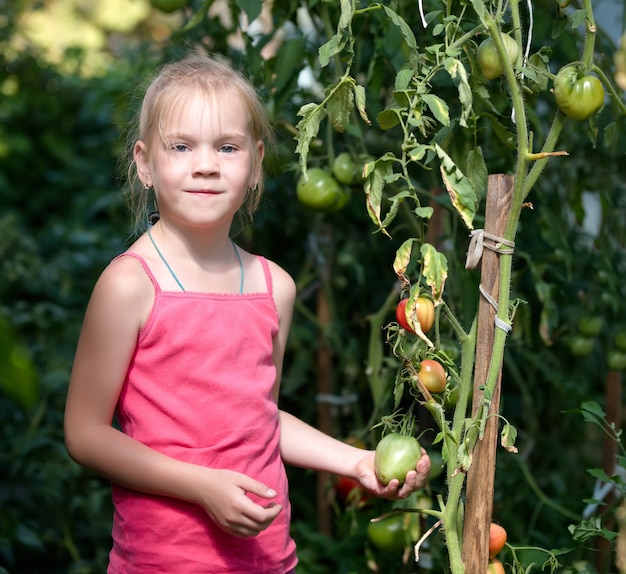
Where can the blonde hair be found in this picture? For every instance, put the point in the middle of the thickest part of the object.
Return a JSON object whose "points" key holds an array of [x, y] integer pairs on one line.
{"points": [[209, 75]]}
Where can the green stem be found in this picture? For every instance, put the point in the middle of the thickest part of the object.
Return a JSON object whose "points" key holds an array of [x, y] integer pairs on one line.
{"points": [[590, 36], [611, 88]]}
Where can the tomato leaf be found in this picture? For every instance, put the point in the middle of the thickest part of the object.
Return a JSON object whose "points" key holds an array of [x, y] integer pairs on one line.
{"points": [[458, 74], [507, 438], [459, 187], [434, 270], [308, 127], [402, 260], [389, 117], [359, 96], [438, 107], [476, 170], [339, 106], [374, 185], [407, 34]]}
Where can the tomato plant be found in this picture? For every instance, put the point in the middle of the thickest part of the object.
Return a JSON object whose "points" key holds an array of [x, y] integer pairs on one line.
{"points": [[578, 96], [590, 326], [396, 454], [321, 192], [497, 539], [489, 59], [432, 375], [394, 533]]}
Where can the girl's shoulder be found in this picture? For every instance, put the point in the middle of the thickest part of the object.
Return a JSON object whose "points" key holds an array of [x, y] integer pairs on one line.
{"points": [[125, 288]]}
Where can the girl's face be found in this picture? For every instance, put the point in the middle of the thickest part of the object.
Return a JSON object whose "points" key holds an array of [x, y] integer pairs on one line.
{"points": [[202, 163]]}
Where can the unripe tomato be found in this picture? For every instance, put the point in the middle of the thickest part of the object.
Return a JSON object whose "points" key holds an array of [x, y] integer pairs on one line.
{"points": [[432, 375], [497, 539], [495, 567], [590, 326], [616, 360], [394, 533], [489, 60], [345, 170], [395, 455], [320, 192], [580, 346], [577, 96]]}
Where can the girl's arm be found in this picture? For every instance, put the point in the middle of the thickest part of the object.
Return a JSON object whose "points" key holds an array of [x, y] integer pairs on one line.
{"points": [[119, 305], [304, 446]]}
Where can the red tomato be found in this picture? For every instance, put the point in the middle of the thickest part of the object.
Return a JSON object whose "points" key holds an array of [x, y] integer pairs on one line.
{"points": [[497, 539], [424, 311], [350, 491], [401, 316], [432, 375]]}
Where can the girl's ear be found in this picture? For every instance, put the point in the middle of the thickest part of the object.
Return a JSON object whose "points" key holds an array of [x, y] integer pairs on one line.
{"points": [[258, 164], [141, 161]]}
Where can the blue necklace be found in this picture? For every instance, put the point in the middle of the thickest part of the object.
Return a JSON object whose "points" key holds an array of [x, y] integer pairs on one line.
{"points": [[174, 274]]}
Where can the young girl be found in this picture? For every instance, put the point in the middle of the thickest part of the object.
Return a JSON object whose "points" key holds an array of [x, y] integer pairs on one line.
{"points": [[183, 342]]}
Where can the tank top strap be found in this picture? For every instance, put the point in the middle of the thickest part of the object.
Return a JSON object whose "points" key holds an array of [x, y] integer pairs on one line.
{"points": [[143, 263], [268, 274]]}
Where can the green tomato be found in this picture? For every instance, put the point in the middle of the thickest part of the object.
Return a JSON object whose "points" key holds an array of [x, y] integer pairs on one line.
{"points": [[577, 96], [590, 326], [168, 6], [321, 192], [394, 533], [616, 360], [620, 340], [489, 60], [396, 454], [579, 345], [345, 170]]}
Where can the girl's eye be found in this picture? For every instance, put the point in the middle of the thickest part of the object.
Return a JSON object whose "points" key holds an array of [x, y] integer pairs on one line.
{"points": [[179, 147], [228, 148]]}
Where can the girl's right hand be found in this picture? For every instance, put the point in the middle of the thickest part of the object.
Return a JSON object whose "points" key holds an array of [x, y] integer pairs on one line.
{"points": [[224, 498]]}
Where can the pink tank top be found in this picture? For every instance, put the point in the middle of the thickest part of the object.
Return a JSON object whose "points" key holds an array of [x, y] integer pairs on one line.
{"points": [[199, 389]]}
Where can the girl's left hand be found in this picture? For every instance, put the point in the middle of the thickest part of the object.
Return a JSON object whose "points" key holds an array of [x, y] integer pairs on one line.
{"points": [[415, 479]]}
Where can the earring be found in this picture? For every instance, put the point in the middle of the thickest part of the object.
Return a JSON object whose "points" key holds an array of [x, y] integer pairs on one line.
{"points": [[147, 186], [253, 188]]}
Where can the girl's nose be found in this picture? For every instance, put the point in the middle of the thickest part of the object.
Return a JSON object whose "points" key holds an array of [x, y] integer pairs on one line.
{"points": [[206, 162]]}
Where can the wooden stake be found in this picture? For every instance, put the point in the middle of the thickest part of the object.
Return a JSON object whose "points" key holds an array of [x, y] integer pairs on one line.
{"points": [[481, 474]]}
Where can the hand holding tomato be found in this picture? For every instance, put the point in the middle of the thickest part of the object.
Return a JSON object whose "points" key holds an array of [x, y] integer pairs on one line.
{"points": [[414, 479]]}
